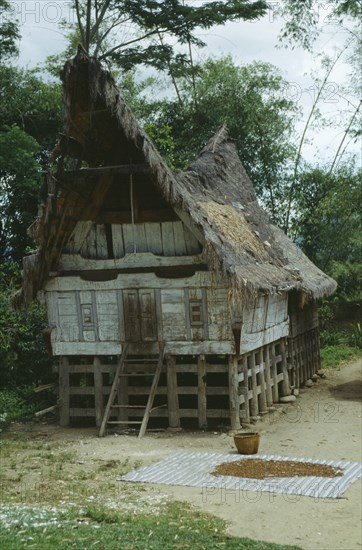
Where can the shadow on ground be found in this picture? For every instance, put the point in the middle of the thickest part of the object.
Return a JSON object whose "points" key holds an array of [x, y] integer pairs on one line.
{"points": [[351, 391]]}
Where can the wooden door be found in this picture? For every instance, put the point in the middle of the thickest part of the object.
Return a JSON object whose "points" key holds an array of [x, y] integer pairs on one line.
{"points": [[140, 315]]}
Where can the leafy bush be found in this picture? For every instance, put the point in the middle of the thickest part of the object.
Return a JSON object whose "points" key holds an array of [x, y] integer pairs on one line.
{"points": [[12, 407], [24, 360], [350, 338], [356, 335], [333, 356]]}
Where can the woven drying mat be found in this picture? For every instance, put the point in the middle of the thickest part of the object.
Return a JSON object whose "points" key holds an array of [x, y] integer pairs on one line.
{"points": [[255, 468]]}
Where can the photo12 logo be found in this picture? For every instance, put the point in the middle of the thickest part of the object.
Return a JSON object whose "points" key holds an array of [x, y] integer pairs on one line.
{"points": [[39, 12]]}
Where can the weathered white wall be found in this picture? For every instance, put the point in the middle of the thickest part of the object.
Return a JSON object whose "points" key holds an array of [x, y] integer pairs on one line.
{"points": [[265, 323], [88, 317], [163, 238]]}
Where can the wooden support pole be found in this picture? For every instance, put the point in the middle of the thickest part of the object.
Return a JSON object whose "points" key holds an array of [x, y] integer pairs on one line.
{"points": [[318, 344], [172, 393], [122, 395], [64, 391], [245, 391], [46, 411], [98, 390], [302, 354], [201, 392], [286, 383], [262, 396], [254, 409], [268, 389], [233, 393], [291, 363], [274, 374]]}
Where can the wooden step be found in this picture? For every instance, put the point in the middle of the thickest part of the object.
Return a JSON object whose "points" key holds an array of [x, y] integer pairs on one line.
{"points": [[119, 374]]}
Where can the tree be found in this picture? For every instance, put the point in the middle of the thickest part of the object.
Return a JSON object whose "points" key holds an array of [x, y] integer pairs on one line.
{"points": [[329, 224], [250, 101], [24, 360], [20, 181], [9, 32], [153, 32], [305, 22], [32, 104]]}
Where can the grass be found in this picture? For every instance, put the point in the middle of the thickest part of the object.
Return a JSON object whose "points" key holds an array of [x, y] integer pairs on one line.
{"points": [[178, 527], [334, 355]]}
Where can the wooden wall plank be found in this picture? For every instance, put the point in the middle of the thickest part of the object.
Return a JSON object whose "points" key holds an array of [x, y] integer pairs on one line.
{"points": [[192, 244], [78, 236], [141, 240], [154, 238], [117, 239], [168, 240], [173, 315], [129, 238], [179, 239]]}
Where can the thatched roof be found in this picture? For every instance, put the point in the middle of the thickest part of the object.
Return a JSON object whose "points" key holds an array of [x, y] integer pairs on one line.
{"points": [[214, 196]]}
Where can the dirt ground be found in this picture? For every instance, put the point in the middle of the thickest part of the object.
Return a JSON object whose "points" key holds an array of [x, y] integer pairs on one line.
{"points": [[325, 423]]}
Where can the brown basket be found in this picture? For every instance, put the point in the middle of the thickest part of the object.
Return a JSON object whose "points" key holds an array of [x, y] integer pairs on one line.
{"points": [[247, 443]]}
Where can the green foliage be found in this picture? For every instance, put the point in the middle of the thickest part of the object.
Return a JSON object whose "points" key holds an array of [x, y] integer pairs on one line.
{"points": [[9, 31], [328, 226], [338, 346], [20, 183], [250, 101], [32, 104], [356, 336], [334, 355], [23, 357], [12, 408], [132, 32], [304, 19]]}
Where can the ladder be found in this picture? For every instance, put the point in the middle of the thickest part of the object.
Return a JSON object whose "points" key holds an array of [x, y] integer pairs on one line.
{"points": [[111, 404]]}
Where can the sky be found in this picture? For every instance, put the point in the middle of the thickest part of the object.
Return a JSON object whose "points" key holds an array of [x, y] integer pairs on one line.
{"points": [[245, 42]]}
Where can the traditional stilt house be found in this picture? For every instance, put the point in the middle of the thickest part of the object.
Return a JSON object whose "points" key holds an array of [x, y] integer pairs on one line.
{"points": [[171, 297]]}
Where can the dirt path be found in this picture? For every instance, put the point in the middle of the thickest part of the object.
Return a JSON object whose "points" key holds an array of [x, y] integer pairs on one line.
{"points": [[326, 423]]}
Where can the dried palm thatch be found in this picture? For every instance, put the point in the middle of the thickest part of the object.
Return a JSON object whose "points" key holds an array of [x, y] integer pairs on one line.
{"points": [[214, 197]]}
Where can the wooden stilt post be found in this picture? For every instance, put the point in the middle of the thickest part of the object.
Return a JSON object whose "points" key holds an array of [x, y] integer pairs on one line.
{"points": [[98, 391], [262, 395], [64, 392], [172, 395], [122, 394], [275, 390], [233, 393], [286, 383], [202, 400], [318, 345], [254, 409], [245, 391], [269, 394]]}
